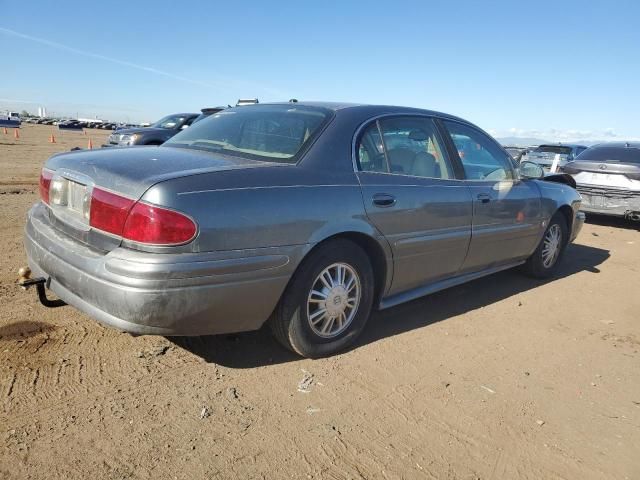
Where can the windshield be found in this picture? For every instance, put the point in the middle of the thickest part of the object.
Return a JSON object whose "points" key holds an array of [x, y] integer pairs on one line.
{"points": [[170, 121], [553, 149], [273, 133], [611, 154]]}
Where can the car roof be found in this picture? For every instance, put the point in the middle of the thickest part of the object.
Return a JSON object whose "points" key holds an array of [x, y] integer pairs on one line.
{"points": [[371, 108], [618, 144]]}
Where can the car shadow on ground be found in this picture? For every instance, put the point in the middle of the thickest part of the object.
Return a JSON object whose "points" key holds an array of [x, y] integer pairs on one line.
{"points": [[609, 221], [255, 349]]}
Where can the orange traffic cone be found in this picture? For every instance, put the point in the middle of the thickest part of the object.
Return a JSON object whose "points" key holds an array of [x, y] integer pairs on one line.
{"points": [[16, 134], [5, 130], [90, 145], [52, 139]]}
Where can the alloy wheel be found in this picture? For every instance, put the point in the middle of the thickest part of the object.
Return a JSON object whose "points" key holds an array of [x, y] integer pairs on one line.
{"points": [[333, 300]]}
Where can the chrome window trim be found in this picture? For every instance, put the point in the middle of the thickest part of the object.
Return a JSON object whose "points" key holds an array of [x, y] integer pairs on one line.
{"points": [[376, 119], [404, 175]]}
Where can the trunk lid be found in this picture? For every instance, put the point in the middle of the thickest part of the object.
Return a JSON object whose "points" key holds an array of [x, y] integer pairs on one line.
{"points": [[127, 172], [608, 174], [604, 169], [132, 170]]}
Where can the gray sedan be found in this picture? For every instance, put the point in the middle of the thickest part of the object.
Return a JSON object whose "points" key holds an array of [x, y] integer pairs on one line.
{"points": [[304, 215]]}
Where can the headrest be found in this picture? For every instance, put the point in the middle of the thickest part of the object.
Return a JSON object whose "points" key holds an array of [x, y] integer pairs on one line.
{"points": [[418, 135]]}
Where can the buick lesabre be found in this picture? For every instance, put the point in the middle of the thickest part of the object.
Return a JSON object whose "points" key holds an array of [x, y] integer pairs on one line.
{"points": [[307, 216]]}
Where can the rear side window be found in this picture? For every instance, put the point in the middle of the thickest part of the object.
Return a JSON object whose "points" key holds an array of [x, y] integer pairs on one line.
{"points": [[611, 154], [481, 157], [403, 146]]}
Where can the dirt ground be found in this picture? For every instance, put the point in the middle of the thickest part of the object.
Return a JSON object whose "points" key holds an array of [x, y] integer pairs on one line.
{"points": [[505, 377]]}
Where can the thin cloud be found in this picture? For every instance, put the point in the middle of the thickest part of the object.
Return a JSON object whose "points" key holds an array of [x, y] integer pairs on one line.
{"points": [[14, 100], [568, 136], [117, 61], [56, 104]]}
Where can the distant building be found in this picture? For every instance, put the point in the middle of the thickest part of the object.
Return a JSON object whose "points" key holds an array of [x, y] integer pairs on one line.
{"points": [[42, 112]]}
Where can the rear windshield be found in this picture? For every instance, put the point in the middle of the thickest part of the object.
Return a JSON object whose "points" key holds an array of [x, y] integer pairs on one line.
{"points": [[272, 133], [611, 154], [553, 149]]}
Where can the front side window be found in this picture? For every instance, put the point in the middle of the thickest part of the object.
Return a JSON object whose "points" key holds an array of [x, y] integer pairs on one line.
{"points": [[170, 121], [271, 133], [481, 157], [404, 146]]}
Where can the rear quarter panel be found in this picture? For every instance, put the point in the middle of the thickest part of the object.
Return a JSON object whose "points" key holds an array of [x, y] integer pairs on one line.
{"points": [[265, 207]]}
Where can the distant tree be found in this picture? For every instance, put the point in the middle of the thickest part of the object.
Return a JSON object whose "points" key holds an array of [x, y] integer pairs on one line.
{"points": [[24, 113]]}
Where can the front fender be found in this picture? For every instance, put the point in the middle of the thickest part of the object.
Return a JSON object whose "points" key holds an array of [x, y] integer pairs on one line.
{"points": [[555, 196]]}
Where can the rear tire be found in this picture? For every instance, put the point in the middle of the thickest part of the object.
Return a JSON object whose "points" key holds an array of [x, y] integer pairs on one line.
{"points": [[544, 261], [327, 302]]}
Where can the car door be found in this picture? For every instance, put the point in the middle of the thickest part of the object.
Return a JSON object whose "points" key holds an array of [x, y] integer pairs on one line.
{"points": [[411, 195], [507, 220]]}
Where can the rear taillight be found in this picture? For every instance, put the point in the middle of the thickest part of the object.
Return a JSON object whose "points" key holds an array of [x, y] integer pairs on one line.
{"points": [[159, 226], [45, 183], [139, 222], [109, 211]]}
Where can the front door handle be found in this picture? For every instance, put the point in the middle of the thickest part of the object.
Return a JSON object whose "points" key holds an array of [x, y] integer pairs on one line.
{"points": [[484, 197], [384, 200]]}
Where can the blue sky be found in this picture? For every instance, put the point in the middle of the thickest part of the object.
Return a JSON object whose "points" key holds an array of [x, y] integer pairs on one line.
{"points": [[556, 70]]}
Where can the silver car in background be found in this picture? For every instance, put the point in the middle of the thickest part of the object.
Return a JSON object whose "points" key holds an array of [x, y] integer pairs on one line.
{"points": [[305, 215], [608, 178], [544, 155]]}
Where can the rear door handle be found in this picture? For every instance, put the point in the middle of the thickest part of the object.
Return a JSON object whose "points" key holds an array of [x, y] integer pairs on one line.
{"points": [[484, 197], [384, 200]]}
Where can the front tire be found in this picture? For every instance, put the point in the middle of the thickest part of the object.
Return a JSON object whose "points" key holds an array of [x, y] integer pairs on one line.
{"points": [[327, 302], [544, 261]]}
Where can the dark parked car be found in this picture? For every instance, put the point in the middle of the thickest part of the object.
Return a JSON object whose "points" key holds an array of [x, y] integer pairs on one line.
{"points": [[69, 125], [155, 134], [544, 155], [308, 215], [608, 178]]}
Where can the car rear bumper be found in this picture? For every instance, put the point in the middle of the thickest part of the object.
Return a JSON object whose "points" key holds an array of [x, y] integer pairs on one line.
{"points": [[161, 294], [609, 201]]}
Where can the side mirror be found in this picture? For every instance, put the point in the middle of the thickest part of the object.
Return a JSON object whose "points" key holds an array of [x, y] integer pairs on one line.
{"points": [[530, 170]]}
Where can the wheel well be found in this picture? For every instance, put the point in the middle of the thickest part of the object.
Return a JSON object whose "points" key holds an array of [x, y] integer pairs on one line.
{"points": [[375, 253], [567, 212]]}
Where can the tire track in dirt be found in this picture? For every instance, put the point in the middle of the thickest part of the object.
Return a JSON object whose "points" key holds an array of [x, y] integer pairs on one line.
{"points": [[62, 363]]}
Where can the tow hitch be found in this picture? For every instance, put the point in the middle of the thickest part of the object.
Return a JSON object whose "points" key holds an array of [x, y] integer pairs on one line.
{"points": [[25, 281]]}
